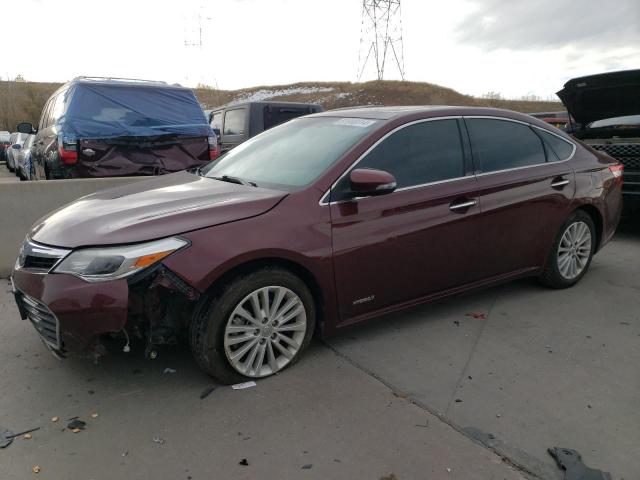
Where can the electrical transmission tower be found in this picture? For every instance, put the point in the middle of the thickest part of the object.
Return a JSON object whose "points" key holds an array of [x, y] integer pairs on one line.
{"points": [[381, 37]]}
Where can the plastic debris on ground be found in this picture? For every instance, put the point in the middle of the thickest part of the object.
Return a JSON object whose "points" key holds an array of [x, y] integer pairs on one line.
{"points": [[169, 370], [158, 440], [76, 424], [36, 469], [244, 462], [571, 462], [7, 436], [242, 386]]}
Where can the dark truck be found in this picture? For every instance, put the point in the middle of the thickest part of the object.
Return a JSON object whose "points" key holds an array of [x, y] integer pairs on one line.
{"points": [[236, 123], [105, 127], [606, 108]]}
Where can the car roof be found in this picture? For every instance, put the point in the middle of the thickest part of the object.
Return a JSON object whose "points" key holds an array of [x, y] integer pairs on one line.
{"points": [[395, 112]]}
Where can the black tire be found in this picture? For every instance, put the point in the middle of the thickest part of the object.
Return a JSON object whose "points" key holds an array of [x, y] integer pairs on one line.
{"points": [[551, 275], [206, 332]]}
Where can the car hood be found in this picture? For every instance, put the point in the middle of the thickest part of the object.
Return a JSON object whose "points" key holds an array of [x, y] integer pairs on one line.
{"points": [[146, 210], [606, 95]]}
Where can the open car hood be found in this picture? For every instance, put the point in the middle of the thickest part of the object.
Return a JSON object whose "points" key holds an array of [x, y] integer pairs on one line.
{"points": [[150, 209], [601, 96]]}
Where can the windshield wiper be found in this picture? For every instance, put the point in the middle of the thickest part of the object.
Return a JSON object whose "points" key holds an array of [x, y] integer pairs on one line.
{"points": [[238, 180]]}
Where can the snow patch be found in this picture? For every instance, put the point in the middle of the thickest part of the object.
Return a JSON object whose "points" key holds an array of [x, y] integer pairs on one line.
{"points": [[266, 94]]}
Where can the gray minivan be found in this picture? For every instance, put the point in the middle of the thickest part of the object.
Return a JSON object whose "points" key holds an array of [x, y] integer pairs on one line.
{"points": [[236, 123]]}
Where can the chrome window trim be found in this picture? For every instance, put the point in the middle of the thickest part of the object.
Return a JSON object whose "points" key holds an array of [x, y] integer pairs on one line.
{"points": [[573, 151], [322, 202], [490, 117]]}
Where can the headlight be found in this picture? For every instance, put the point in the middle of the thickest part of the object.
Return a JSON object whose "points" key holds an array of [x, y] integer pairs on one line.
{"points": [[108, 263]]}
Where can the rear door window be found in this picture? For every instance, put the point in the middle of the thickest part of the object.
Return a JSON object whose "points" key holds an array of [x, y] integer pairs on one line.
{"points": [[422, 153], [45, 115], [234, 121], [560, 149], [57, 108], [503, 145]]}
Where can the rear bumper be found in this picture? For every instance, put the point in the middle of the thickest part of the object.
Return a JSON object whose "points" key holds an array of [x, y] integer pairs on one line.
{"points": [[79, 310]]}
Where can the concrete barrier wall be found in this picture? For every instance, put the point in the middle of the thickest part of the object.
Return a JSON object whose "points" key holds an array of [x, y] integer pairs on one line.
{"points": [[23, 203]]}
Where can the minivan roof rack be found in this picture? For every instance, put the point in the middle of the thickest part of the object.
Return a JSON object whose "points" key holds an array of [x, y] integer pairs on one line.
{"points": [[120, 79]]}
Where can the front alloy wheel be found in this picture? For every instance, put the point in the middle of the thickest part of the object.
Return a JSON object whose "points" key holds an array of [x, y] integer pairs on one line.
{"points": [[254, 326], [265, 331]]}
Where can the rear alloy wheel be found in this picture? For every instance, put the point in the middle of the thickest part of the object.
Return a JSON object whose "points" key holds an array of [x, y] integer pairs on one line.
{"points": [[573, 251], [254, 327]]}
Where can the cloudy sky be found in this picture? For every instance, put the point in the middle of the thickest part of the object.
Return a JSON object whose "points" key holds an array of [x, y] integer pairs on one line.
{"points": [[515, 47]]}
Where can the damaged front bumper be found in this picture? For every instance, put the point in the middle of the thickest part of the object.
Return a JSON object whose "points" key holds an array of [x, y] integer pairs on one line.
{"points": [[68, 313], [71, 314]]}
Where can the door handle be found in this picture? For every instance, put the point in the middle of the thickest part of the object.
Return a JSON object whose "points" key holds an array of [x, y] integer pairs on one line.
{"points": [[463, 205], [559, 182]]}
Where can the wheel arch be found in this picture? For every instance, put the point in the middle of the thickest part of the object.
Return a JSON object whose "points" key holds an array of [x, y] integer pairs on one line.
{"points": [[255, 264], [597, 218]]}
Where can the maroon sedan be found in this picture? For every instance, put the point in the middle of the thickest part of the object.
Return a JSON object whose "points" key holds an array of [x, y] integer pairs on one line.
{"points": [[323, 222]]}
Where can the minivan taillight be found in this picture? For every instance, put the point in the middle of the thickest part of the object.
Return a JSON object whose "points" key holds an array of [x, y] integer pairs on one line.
{"points": [[213, 148], [68, 152], [617, 171]]}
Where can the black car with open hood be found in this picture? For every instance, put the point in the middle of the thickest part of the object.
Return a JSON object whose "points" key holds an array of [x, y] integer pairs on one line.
{"points": [[607, 109]]}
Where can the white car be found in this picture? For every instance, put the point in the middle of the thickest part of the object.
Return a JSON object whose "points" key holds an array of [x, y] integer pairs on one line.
{"points": [[16, 141]]}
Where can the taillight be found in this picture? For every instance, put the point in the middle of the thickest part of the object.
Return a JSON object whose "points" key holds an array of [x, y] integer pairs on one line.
{"points": [[617, 171], [213, 148], [68, 152]]}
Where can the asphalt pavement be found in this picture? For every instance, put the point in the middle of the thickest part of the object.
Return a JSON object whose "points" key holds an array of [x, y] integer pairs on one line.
{"points": [[473, 387]]}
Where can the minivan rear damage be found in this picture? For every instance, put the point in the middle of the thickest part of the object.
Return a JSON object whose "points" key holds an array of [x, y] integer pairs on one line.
{"points": [[103, 127], [129, 156]]}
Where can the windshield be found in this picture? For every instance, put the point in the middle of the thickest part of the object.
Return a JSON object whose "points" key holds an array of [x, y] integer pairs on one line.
{"points": [[293, 154], [632, 120]]}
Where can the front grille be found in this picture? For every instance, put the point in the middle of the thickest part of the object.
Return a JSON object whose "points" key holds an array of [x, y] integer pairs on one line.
{"points": [[43, 319], [39, 263], [626, 153], [38, 257]]}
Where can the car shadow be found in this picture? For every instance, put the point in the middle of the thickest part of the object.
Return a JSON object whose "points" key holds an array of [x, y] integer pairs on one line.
{"points": [[629, 226]]}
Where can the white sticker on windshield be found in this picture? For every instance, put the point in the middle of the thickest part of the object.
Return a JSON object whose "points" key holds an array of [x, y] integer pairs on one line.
{"points": [[354, 122]]}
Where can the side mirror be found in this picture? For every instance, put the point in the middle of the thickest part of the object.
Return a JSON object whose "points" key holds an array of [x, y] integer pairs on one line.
{"points": [[367, 182], [25, 127]]}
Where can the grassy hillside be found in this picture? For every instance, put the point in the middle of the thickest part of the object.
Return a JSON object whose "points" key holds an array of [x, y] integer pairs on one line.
{"points": [[23, 101]]}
